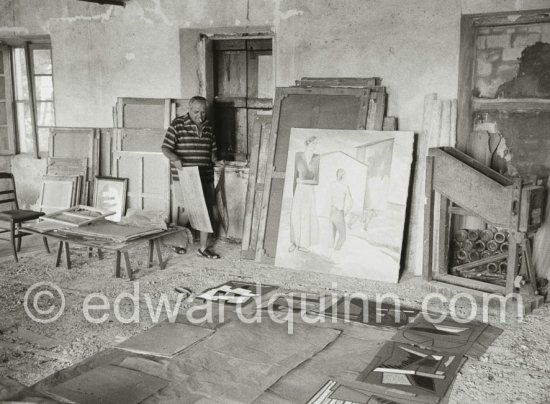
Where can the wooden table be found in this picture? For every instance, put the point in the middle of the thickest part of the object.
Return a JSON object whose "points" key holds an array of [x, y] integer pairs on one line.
{"points": [[120, 248]]}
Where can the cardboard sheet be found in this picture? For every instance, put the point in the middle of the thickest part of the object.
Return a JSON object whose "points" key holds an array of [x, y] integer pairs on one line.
{"points": [[237, 363], [246, 293], [344, 360], [411, 370], [367, 312], [190, 189], [165, 339], [447, 335], [111, 385]]}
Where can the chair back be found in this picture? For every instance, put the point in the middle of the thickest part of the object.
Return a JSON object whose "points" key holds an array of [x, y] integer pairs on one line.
{"points": [[8, 195]]}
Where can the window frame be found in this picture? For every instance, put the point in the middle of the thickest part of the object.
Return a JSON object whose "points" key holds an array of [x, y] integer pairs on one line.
{"points": [[6, 60], [28, 45]]}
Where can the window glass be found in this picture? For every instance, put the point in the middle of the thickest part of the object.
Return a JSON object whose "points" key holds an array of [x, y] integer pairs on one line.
{"points": [[43, 87], [42, 61], [45, 114], [24, 127], [20, 75]]}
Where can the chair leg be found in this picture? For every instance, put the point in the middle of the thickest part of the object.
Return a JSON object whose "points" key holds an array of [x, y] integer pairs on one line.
{"points": [[19, 237], [12, 233], [46, 245]]}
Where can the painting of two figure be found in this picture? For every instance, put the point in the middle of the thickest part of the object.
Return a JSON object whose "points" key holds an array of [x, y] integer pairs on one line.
{"points": [[344, 202]]}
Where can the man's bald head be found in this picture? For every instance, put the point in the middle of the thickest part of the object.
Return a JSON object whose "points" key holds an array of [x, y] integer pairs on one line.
{"points": [[197, 109]]}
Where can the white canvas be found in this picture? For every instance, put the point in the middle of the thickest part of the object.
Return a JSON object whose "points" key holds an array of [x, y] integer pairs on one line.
{"points": [[362, 184]]}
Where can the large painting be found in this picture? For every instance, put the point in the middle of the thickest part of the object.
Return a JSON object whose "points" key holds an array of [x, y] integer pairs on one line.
{"points": [[344, 202]]}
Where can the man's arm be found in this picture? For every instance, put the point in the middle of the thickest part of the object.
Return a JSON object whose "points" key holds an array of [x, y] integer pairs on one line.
{"points": [[173, 157], [168, 147]]}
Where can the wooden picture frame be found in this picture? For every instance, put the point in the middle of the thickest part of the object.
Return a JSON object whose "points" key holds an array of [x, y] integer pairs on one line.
{"points": [[148, 179], [77, 216], [117, 189], [62, 187], [77, 143]]}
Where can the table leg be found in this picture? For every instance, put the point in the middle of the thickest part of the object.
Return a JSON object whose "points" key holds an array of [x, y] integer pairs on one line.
{"points": [[90, 251], [162, 264], [67, 255], [117, 264], [99, 254], [59, 252], [127, 265], [151, 251], [46, 246]]}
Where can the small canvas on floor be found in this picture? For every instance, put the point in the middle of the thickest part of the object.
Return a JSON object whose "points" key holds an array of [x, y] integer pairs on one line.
{"points": [[165, 339], [111, 385], [344, 202]]}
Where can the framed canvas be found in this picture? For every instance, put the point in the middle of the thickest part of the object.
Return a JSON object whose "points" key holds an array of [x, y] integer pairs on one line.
{"points": [[110, 194], [148, 179], [344, 202], [57, 192]]}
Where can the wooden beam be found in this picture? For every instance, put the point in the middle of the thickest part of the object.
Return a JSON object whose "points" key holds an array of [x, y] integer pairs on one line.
{"points": [[510, 104]]}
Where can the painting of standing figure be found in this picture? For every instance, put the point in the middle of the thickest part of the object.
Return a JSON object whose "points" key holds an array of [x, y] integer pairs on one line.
{"points": [[344, 202], [304, 225]]}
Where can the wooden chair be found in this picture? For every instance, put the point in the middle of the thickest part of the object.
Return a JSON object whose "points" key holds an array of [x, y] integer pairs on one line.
{"points": [[14, 215]]}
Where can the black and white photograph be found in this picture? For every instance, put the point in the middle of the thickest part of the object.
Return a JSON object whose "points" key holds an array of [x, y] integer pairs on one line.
{"points": [[275, 201]]}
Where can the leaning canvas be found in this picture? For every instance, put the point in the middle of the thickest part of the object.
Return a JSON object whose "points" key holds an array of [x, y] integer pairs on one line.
{"points": [[344, 202]]}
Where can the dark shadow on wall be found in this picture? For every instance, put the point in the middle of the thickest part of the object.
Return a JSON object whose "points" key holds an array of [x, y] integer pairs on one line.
{"points": [[533, 78]]}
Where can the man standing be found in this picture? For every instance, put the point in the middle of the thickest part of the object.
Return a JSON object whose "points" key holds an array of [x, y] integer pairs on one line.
{"points": [[189, 141]]}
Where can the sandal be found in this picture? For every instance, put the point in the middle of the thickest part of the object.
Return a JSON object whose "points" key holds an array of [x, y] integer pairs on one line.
{"points": [[206, 253]]}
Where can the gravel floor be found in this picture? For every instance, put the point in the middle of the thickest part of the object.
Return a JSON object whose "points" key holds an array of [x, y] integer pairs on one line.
{"points": [[515, 369]]}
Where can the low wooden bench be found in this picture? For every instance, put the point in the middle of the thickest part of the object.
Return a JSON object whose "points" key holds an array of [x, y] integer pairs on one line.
{"points": [[120, 248]]}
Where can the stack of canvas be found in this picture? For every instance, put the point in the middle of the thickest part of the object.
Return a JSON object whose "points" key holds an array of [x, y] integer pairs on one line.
{"points": [[322, 103]]}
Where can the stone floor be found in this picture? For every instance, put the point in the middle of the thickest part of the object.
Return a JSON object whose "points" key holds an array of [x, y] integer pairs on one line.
{"points": [[515, 369]]}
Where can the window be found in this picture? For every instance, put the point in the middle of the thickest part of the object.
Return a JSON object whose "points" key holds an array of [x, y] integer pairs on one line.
{"points": [[243, 84], [26, 98]]}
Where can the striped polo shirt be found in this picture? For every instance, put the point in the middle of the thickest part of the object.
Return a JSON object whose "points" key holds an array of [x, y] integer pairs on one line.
{"points": [[182, 137]]}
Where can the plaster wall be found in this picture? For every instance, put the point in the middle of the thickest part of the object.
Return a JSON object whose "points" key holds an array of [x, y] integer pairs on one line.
{"points": [[104, 52]]}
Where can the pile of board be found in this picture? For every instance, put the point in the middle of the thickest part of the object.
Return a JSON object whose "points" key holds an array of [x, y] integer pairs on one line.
{"points": [[73, 163], [316, 103]]}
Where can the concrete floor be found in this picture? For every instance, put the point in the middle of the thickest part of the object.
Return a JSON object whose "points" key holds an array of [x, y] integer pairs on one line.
{"points": [[515, 369]]}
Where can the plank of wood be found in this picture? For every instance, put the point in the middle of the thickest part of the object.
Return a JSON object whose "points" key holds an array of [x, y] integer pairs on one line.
{"points": [[260, 184], [376, 111], [339, 81], [250, 189], [416, 224], [473, 191], [470, 283], [428, 208], [511, 105], [445, 133], [390, 123], [454, 111]]}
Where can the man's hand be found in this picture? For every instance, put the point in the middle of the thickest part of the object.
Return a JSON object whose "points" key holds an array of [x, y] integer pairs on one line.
{"points": [[177, 164]]}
